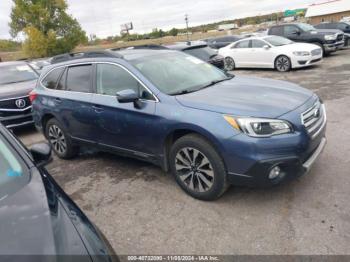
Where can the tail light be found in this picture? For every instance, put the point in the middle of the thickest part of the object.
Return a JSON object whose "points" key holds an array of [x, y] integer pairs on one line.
{"points": [[32, 96]]}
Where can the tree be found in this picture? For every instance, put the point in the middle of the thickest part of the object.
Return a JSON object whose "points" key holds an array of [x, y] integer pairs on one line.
{"points": [[173, 32], [47, 26]]}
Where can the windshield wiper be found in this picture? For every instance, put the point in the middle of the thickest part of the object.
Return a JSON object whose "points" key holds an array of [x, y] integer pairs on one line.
{"points": [[182, 92], [212, 83]]}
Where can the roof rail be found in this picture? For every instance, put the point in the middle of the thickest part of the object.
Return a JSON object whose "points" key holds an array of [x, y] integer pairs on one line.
{"points": [[150, 46], [88, 54]]}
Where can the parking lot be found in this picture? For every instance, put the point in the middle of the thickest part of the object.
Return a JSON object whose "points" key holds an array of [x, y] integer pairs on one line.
{"points": [[141, 210]]}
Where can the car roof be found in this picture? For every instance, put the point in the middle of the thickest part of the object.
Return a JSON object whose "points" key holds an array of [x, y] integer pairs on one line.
{"points": [[181, 46], [13, 63]]}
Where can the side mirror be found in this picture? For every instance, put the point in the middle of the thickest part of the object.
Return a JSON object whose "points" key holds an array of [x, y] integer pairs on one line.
{"points": [[41, 154], [266, 47], [127, 96]]}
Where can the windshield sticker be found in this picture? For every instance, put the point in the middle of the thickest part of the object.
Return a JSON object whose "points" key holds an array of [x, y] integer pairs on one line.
{"points": [[194, 60], [13, 173]]}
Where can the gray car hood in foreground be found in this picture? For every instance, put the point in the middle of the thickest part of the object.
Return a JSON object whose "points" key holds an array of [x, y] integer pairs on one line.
{"points": [[16, 89]]}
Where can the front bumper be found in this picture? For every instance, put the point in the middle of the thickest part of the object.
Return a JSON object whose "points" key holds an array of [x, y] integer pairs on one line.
{"points": [[333, 46], [291, 168], [301, 61], [17, 120]]}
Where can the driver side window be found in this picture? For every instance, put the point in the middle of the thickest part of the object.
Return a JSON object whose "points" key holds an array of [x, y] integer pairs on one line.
{"points": [[112, 79], [242, 44]]}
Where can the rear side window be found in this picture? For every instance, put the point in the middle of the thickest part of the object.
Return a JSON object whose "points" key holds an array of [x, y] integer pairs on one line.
{"points": [[258, 44], [242, 44], [50, 81], [79, 78], [276, 31]]}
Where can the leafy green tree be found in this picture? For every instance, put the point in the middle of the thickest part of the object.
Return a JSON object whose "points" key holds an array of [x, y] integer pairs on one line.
{"points": [[173, 32], [61, 32]]}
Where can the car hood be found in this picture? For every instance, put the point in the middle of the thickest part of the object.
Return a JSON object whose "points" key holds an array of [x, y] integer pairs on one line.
{"points": [[16, 89], [248, 96], [326, 31], [299, 47]]}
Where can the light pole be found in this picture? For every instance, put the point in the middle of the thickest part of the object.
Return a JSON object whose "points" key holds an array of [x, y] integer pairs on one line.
{"points": [[186, 19]]}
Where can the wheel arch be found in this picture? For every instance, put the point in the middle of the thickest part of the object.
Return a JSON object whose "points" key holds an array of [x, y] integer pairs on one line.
{"points": [[178, 132]]}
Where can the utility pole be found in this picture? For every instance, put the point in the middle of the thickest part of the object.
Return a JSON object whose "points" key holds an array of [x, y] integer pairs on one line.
{"points": [[188, 37]]}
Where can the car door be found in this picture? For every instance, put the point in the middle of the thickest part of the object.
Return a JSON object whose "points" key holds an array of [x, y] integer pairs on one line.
{"points": [[261, 54], [72, 102], [123, 126], [241, 53], [292, 32]]}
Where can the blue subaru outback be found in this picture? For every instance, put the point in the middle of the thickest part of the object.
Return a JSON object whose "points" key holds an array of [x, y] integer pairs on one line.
{"points": [[209, 128]]}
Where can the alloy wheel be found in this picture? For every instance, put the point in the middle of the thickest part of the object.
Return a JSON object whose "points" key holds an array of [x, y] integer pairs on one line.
{"points": [[283, 64], [194, 169], [229, 64], [57, 139]]}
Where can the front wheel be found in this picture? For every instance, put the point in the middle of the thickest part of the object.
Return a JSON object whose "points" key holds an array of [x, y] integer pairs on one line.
{"points": [[229, 64], [283, 64], [198, 168]]}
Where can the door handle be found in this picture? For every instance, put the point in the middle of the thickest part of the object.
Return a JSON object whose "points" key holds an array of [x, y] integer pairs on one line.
{"points": [[58, 100], [98, 109]]}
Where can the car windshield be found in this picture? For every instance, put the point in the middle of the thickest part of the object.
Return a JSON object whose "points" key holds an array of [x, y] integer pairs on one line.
{"points": [[16, 73], [306, 27], [176, 73], [278, 40], [13, 174], [205, 53]]}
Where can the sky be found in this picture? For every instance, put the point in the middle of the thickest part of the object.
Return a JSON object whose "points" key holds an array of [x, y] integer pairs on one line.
{"points": [[104, 17]]}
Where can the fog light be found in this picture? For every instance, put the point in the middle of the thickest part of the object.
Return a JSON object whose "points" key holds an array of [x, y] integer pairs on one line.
{"points": [[275, 172]]}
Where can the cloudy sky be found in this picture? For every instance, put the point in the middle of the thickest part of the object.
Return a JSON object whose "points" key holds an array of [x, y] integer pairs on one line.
{"points": [[103, 17]]}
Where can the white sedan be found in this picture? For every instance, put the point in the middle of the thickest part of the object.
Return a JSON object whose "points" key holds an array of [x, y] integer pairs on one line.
{"points": [[270, 52]]}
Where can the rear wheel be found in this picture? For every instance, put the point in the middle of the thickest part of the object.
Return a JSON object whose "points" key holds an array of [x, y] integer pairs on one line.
{"points": [[283, 63], [229, 64], [198, 168], [60, 140]]}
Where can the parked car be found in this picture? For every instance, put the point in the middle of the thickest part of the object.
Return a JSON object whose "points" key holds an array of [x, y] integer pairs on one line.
{"points": [[343, 26], [270, 52], [200, 50], [222, 41], [39, 64], [37, 216], [17, 79], [209, 128], [328, 39]]}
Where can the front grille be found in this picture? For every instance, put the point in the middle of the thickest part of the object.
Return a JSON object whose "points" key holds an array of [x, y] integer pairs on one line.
{"points": [[340, 37], [314, 119], [11, 103], [317, 51]]}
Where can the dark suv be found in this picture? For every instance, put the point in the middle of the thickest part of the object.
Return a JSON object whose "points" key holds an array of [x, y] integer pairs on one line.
{"points": [[200, 50], [222, 41], [329, 39], [17, 79], [209, 128], [343, 26]]}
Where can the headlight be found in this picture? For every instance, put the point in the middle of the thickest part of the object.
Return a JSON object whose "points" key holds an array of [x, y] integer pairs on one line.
{"points": [[302, 53], [330, 37], [260, 127]]}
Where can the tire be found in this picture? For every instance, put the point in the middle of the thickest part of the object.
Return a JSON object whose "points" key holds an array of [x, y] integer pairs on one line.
{"points": [[197, 167], [283, 63], [229, 64], [322, 47], [60, 141]]}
